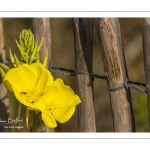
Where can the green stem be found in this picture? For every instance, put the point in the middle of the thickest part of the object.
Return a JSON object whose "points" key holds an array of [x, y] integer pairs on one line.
{"points": [[34, 121], [19, 110], [40, 127]]}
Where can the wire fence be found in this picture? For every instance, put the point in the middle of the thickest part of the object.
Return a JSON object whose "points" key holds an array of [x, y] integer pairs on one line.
{"points": [[127, 82]]}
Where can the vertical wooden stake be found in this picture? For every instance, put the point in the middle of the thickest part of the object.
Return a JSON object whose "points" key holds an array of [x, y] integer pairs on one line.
{"points": [[83, 58], [41, 28], [146, 50], [4, 102], [115, 69]]}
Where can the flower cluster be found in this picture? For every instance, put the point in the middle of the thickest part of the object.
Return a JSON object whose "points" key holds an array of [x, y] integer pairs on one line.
{"points": [[34, 86]]}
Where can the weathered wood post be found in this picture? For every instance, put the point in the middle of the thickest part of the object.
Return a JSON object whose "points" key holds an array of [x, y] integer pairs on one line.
{"points": [[41, 28], [115, 69], [4, 102], [83, 58], [146, 51]]}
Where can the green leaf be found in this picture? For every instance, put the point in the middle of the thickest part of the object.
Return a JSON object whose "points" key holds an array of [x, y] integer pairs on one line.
{"points": [[4, 66], [33, 54], [2, 72], [12, 58], [40, 45], [17, 61], [45, 59], [24, 55]]}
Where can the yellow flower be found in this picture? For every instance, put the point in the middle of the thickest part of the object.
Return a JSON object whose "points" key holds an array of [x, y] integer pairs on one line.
{"points": [[34, 86], [57, 104], [28, 82]]}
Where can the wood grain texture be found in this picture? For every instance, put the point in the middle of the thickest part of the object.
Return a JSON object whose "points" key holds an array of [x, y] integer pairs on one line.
{"points": [[83, 58], [41, 28], [4, 101], [115, 69], [146, 51]]}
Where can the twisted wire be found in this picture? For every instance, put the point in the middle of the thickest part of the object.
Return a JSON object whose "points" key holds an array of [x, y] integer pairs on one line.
{"points": [[127, 83], [69, 72], [131, 84], [136, 87]]}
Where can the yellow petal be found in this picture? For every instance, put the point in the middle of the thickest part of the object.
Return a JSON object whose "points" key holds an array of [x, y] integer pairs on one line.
{"points": [[44, 77], [21, 99], [40, 104], [58, 103], [60, 100], [59, 83], [26, 77], [48, 99], [22, 78], [64, 114], [58, 96], [77, 100], [63, 95], [48, 119], [28, 82], [8, 86]]}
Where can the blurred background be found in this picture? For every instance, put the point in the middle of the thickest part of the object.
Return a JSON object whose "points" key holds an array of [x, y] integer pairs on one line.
{"points": [[63, 56]]}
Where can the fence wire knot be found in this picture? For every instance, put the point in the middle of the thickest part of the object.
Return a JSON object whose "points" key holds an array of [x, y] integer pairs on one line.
{"points": [[130, 84]]}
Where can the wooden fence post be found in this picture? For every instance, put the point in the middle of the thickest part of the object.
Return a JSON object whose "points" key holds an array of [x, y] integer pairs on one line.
{"points": [[146, 51], [115, 69], [4, 102], [41, 28], [83, 58]]}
